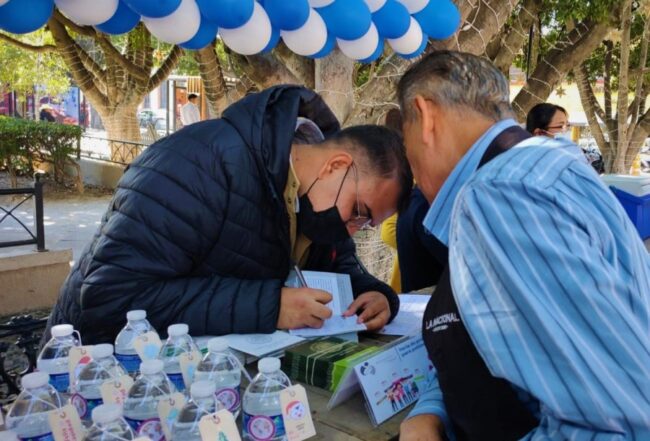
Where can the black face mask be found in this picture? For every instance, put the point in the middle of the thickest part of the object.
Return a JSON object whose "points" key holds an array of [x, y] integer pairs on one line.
{"points": [[322, 227]]}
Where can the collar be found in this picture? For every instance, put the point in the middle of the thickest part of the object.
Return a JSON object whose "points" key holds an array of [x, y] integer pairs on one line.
{"points": [[438, 218]]}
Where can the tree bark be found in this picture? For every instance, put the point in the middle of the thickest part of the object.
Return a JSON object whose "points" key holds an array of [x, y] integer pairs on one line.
{"points": [[334, 82], [483, 23], [303, 68], [581, 42], [265, 70], [214, 84]]}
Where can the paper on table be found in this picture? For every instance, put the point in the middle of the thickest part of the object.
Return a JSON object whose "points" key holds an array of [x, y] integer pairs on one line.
{"points": [[409, 318], [262, 344], [341, 289]]}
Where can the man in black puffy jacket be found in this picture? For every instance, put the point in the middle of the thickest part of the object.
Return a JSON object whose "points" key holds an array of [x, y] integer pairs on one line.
{"points": [[206, 224]]}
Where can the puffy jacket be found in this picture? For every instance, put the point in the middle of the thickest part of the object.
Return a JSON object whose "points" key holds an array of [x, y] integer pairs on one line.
{"points": [[197, 231]]}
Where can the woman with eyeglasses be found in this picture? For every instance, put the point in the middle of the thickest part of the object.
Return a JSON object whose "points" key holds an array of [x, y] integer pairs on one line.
{"points": [[551, 120]]}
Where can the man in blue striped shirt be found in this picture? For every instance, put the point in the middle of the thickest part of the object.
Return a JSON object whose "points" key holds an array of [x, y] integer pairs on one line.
{"points": [[548, 280]]}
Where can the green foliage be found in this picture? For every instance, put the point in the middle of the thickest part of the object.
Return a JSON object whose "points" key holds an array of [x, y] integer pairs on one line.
{"points": [[23, 142], [561, 11], [22, 70]]}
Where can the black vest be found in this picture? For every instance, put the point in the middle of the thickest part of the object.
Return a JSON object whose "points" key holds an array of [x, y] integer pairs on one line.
{"points": [[480, 406]]}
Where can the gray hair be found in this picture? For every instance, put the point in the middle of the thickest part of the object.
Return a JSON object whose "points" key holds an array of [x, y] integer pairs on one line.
{"points": [[456, 80]]}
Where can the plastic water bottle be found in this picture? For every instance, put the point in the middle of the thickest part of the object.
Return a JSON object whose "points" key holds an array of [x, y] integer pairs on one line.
{"points": [[28, 416], [141, 405], [220, 367], [177, 343], [125, 353], [261, 405], [102, 368], [108, 425], [201, 403], [53, 359], [9, 435]]}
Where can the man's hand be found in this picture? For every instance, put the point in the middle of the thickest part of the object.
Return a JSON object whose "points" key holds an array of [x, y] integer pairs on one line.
{"points": [[422, 428], [376, 310], [303, 307]]}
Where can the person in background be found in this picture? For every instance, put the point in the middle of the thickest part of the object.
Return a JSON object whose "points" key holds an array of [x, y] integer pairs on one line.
{"points": [[206, 224], [539, 328], [551, 120], [190, 113], [46, 113]]}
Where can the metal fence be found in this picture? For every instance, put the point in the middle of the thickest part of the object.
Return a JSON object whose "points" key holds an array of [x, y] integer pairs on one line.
{"points": [[36, 194], [110, 150]]}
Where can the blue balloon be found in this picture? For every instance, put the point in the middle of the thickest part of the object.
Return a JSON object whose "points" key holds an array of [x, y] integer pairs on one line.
{"points": [[121, 22], [287, 15], [392, 20], [203, 37], [228, 14], [423, 46], [24, 16], [376, 54], [153, 9], [330, 44], [439, 19], [273, 42], [347, 19]]}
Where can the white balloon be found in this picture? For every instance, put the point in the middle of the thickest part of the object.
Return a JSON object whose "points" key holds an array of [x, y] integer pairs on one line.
{"points": [[414, 6], [320, 3], [84, 12], [375, 5], [253, 36], [409, 42], [179, 26], [310, 38], [361, 48]]}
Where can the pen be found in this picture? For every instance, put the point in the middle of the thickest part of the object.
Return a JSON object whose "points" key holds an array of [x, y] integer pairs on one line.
{"points": [[301, 278]]}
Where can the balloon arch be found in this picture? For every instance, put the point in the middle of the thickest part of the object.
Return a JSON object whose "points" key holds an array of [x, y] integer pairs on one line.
{"points": [[310, 28]]}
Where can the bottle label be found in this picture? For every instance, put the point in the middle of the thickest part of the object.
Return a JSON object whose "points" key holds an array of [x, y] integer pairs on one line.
{"points": [[61, 382], [177, 380], [130, 362], [229, 397], [44, 437], [150, 427], [84, 406], [262, 427]]}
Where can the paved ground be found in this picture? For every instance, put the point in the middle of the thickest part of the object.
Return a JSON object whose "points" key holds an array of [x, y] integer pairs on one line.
{"points": [[69, 223]]}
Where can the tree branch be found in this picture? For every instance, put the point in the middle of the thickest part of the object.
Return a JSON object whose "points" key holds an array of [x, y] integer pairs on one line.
{"points": [[643, 60], [592, 108], [302, 67], [87, 31], [112, 54], [84, 79], [487, 19], [26, 46], [166, 68], [623, 77], [607, 78]]}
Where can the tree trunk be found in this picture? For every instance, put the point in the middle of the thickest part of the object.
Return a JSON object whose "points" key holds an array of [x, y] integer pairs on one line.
{"points": [[335, 83], [123, 132], [214, 84], [582, 41]]}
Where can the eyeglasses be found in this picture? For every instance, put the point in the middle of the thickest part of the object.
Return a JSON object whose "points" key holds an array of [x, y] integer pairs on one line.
{"points": [[563, 127], [359, 222]]}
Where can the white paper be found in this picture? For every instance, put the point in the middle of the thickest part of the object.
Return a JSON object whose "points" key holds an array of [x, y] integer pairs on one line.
{"points": [[341, 289], [260, 345], [409, 318]]}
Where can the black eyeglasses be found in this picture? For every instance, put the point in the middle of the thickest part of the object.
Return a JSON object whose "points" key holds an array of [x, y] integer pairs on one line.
{"points": [[359, 222]]}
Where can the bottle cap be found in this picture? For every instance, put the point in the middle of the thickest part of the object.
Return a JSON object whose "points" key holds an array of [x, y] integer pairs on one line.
{"points": [[62, 330], [136, 314], [35, 379], [9, 435], [106, 413], [218, 344], [178, 329], [203, 389], [101, 351], [268, 365], [150, 367]]}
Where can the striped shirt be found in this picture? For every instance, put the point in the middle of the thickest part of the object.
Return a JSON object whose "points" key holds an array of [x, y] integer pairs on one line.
{"points": [[553, 284]]}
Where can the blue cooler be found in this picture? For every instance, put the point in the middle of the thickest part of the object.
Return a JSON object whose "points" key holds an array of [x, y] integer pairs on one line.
{"points": [[634, 194]]}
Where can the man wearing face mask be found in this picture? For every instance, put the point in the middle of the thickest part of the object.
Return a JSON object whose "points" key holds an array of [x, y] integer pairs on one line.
{"points": [[206, 224]]}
